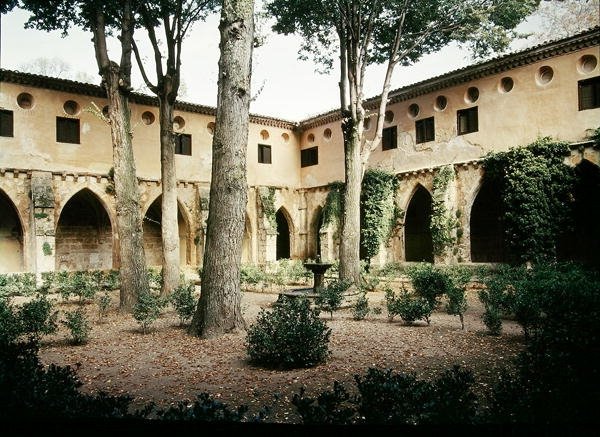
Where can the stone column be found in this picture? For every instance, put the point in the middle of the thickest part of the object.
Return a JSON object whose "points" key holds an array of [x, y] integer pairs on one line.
{"points": [[43, 223]]}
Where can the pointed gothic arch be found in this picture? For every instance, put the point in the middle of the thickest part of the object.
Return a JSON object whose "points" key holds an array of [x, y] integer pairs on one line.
{"points": [[417, 233], [283, 245], [84, 236], [583, 242], [486, 228], [11, 236], [153, 234]]}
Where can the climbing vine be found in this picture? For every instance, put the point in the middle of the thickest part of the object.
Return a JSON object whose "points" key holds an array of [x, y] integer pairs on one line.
{"points": [[536, 188], [267, 199], [332, 210], [444, 226], [379, 211]]}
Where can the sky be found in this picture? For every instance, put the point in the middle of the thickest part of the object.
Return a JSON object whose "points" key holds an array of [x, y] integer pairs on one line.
{"points": [[283, 86]]}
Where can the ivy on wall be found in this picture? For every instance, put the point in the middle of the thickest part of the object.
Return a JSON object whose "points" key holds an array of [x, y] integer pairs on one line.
{"points": [[267, 200], [536, 188], [332, 210], [379, 211], [444, 226]]}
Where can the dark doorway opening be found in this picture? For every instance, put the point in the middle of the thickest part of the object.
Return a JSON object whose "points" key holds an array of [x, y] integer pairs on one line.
{"points": [[486, 226], [283, 236], [417, 233]]}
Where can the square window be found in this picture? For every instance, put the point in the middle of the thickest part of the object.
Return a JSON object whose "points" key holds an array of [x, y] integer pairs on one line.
{"points": [[6, 123], [389, 138], [589, 93], [67, 130], [467, 121], [425, 130], [309, 157], [183, 144], [264, 154]]}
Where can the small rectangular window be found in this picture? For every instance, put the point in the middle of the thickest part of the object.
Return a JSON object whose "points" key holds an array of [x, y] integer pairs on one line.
{"points": [[264, 154], [6, 123], [467, 121], [183, 144], [67, 130], [425, 130], [589, 93], [309, 157], [389, 139]]}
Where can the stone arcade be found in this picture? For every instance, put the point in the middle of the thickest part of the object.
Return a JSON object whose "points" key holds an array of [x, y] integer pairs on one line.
{"points": [[57, 211]]}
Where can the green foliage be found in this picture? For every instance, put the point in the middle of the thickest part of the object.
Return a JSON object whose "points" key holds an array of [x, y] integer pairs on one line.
{"points": [[595, 135], [184, 302], [443, 224], [536, 187], [204, 409], [360, 310], [388, 398], [429, 281], [17, 284], [267, 200], [46, 249], [378, 208], [332, 211], [291, 335], [37, 317], [147, 309], [251, 274], [103, 305], [408, 306], [10, 325], [280, 273], [456, 299], [556, 378], [155, 279], [78, 325], [330, 297], [390, 270]]}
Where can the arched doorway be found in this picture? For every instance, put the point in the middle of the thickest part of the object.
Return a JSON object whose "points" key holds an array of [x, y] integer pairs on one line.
{"points": [[153, 235], [84, 235], [11, 237], [486, 226], [583, 242], [417, 234], [283, 235]]}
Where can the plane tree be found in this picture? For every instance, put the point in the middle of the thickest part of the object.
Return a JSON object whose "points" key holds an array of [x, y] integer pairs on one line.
{"points": [[103, 18], [172, 18], [359, 33]]}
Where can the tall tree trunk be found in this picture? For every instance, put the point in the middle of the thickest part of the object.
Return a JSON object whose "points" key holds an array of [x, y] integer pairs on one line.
{"points": [[219, 307], [169, 226], [133, 275], [350, 235]]}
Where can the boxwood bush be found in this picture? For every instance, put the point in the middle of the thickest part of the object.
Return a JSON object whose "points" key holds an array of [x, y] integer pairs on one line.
{"points": [[291, 335]]}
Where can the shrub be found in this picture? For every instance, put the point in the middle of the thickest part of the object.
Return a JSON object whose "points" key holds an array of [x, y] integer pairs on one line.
{"points": [[361, 307], [204, 409], [251, 275], [456, 303], [80, 284], [103, 305], [429, 282], [155, 279], [330, 407], [147, 309], [17, 284], [290, 336], [409, 307], [10, 327], [37, 317], [78, 326], [184, 302], [330, 297]]}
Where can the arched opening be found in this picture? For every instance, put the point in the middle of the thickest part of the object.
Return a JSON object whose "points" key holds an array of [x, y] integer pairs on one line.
{"points": [[11, 237], [153, 235], [84, 235], [417, 234], [486, 226], [582, 243], [283, 235], [317, 225], [247, 242]]}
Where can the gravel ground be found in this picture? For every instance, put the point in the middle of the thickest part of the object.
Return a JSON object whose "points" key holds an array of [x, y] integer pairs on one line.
{"points": [[167, 365]]}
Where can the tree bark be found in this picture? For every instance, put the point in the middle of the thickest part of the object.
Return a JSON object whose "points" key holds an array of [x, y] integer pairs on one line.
{"points": [[219, 306], [133, 274], [169, 225]]}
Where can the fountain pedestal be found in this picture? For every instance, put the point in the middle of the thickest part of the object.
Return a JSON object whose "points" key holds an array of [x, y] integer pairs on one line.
{"points": [[318, 269]]}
